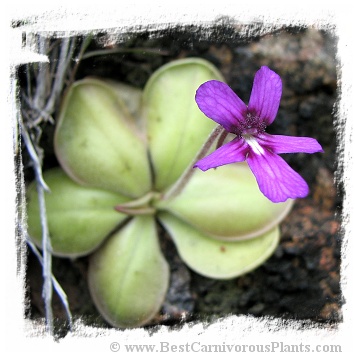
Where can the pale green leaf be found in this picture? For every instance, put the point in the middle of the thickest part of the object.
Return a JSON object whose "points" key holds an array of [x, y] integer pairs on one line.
{"points": [[227, 204], [217, 259], [176, 127], [79, 218], [128, 276], [132, 98], [97, 141]]}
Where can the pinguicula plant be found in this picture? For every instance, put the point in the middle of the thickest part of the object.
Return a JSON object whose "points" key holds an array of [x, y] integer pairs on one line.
{"points": [[127, 159]]}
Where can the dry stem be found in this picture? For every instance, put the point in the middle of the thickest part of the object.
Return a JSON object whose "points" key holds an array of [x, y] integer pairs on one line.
{"points": [[39, 105]]}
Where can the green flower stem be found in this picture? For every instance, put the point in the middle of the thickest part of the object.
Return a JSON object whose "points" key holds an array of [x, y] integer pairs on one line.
{"points": [[221, 139], [184, 178]]}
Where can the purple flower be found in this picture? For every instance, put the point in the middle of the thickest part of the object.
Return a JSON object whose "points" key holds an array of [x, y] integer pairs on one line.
{"points": [[276, 179]]}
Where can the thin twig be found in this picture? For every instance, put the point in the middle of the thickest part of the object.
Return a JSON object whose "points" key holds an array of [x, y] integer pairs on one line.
{"points": [[41, 88], [50, 80], [42, 113], [46, 246], [28, 79], [57, 287], [59, 77], [66, 54], [47, 260], [125, 50], [33, 154], [78, 59], [40, 100]]}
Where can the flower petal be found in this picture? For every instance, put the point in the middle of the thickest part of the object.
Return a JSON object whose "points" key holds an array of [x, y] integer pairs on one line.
{"points": [[234, 151], [218, 101], [282, 144], [276, 179], [266, 94]]}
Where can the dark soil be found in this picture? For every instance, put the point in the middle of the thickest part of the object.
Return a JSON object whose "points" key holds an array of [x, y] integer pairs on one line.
{"points": [[302, 278]]}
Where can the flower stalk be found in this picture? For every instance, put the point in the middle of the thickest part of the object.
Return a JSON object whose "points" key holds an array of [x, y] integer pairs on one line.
{"points": [[185, 177]]}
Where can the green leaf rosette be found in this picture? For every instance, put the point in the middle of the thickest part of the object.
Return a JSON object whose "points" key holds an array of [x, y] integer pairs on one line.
{"points": [[120, 150]]}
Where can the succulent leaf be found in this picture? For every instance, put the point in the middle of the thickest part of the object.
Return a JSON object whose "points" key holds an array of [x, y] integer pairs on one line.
{"points": [[176, 127], [215, 259], [79, 218], [97, 141], [226, 204], [128, 276]]}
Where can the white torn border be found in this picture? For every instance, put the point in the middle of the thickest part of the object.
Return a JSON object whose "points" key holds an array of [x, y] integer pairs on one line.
{"points": [[75, 18]]}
